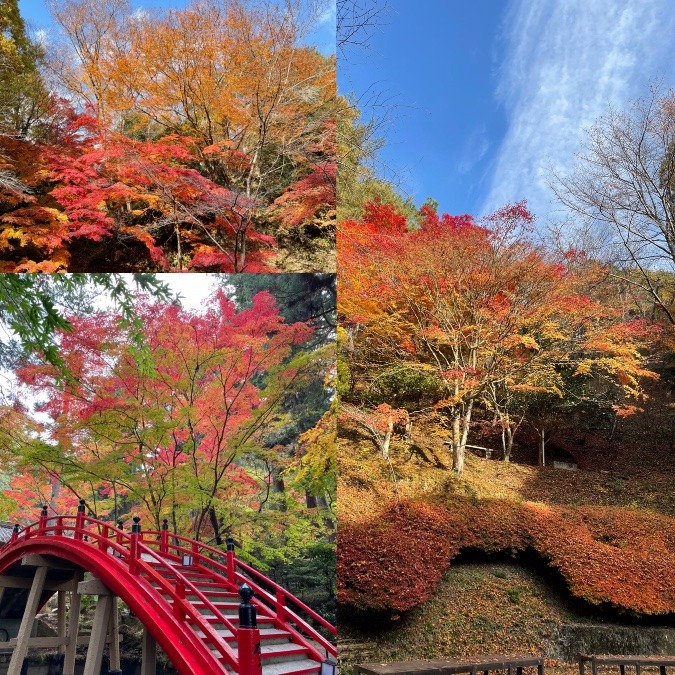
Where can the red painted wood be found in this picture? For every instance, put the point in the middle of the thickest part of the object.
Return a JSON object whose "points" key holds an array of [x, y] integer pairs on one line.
{"points": [[147, 573]]}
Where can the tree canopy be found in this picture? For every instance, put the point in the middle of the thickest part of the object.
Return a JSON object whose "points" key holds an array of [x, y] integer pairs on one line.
{"points": [[200, 138]]}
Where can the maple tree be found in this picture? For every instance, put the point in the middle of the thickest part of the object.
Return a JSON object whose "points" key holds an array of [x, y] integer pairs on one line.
{"points": [[166, 157], [34, 308], [184, 436], [473, 306], [130, 193], [306, 462]]}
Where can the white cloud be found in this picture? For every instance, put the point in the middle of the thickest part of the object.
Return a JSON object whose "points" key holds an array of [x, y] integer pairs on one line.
{"points": [[140, 14], [41, 37], [474, 149], [565, 62], [328, 16]]}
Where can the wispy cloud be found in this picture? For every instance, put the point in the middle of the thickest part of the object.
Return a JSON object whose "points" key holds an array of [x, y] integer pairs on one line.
{"points": [[329, 14], [474, 149], [565, 62]]}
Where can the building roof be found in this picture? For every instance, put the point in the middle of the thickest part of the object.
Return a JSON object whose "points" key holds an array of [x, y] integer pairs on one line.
{"points": [[5, 532]]}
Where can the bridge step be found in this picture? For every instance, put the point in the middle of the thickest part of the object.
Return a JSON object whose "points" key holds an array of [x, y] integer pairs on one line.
{"points": [[279, 653], [228, 609], [217, 591], [270, 636], [301, 667], [208, 591], [235, 619]]}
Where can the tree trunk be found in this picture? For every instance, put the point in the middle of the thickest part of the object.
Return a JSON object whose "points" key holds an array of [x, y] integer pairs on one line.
{"points": [[542, 447], [507, 442], [460, 433], [387, 438], [457, 449], [215, 525], [466, 423]]}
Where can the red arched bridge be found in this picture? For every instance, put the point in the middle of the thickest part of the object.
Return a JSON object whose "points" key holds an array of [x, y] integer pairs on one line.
{"points": [[210, 612]]}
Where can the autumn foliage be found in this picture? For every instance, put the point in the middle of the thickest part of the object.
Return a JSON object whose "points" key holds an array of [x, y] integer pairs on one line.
{"points": [[482, 314], [166, 431], [189, 139], [607, 555], [476, 325]]}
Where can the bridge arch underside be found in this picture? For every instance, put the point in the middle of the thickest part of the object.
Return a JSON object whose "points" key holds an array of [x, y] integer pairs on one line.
{"points": [[183, 648]]}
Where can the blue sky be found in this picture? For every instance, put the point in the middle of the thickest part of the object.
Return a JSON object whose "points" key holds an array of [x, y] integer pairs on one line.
{"points": [[483, 97], [37, 17]]}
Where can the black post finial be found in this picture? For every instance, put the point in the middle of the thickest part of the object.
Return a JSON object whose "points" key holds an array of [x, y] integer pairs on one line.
{"points": [[136, 527], [247, 612], [81, 508], [16, 528], [229, 540], [120, 525], [165, 524], [45, 511]]}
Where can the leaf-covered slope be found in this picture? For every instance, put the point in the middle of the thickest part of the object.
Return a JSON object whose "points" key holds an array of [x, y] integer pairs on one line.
{"points": [[392, 555]]}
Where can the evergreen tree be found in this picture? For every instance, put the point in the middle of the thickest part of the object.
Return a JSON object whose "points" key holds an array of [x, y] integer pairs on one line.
{"points": [[23, 97]]}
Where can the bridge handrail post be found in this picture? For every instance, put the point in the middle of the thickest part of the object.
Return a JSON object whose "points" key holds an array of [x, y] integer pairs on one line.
{"points": [[280, 604], [15, 532], [178, 610], [79, 520], [42, 523], [103, 541], [248, 635], [133, 545], [164, 537], [231, 563]]}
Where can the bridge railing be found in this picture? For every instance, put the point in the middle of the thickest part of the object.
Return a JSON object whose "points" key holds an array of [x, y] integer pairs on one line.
{"points": [[272, 599], [155, 555], [131, 549]]}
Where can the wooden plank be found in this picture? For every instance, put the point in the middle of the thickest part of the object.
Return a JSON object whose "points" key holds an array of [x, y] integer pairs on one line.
{"points": [[484, 663], [114, 639], [636, 661], [73, 630], [400, 667], [99, 630], [26, 582], [149, 654], [628, 659], [19, 654], [51, 642], [93, 587], [61, 619], [34, 560]]}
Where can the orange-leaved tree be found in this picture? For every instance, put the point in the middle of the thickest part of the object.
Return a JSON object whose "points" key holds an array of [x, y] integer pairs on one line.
{"points": [[475, 305]]}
